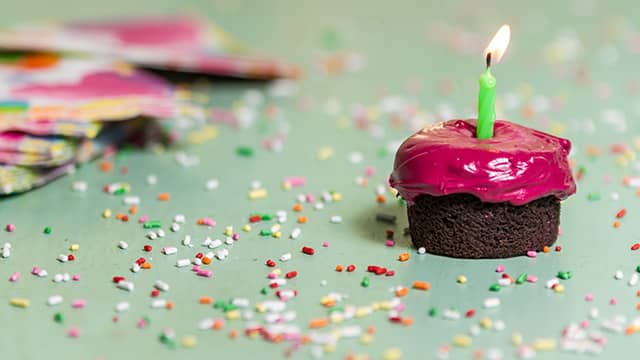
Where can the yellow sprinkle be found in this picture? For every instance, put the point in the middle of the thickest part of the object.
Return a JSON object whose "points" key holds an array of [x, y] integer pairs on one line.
{"points": [[325, 153], [232, 315], [386, 305], [286, 185], [516, 339], [366, 339], [257, 194], [277, 271], [486, 323], [261, 308], [106, 213], [246, 228], [375, 306], [228, 230], [559, 288], [392, 354], [363, 311], [336, 317], [275, 227], [336, 196], [188, 341], [461, 279], [276, 234], [74, 247], [462, 340], [20, 302], [329, 348], [546, 344], [202, 135]]}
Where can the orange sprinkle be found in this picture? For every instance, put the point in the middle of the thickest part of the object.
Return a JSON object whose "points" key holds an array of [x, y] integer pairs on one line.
{"points": [[638, 293], [329, 303], [318, 323], [638, 192], [404, 257], [37, 61], [119, 216], [163, 196], [402, 291], [546, 249], [133, 209], [616, 224], [297, 207], [630, 330], [302, 220], [205, 300], [421, 285], [169, 305], [371, 329], [306, 339], [146, 265], [233, 334], [407, 321], [200, 221], [381, 199], [218, 324], [339, 268], [206, 260], [106, 166]]}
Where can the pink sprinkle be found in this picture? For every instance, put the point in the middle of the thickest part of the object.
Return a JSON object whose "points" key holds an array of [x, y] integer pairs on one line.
{"points": [[532, 278], [559, 230], [309, 198], [209, 222], [78, 303], [369, 171], [205, 273], [14, 277], [612, 301], [10, 227], [294, 181], [74, 332], [272, 275], [390, 242], [35, 270], [143, 219], [400, 307], [141, 324], [588, 297], [235, 236], [195, 268], [584, 324], [532, 254], [500, 268], [325, 244], [75, 277]]}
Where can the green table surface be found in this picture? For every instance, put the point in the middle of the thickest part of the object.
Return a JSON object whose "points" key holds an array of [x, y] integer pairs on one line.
{"points": [[571, 69]]}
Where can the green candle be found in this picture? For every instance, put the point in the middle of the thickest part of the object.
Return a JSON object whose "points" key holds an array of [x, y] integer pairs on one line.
{"points": [[486, 109], [487, 94]]}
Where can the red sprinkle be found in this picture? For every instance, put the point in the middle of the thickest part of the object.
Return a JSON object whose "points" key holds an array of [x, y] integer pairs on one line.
{"points": [[117, 279], [372, 268], [558, 248], [635, 246], [70, 257], [351, 268], [291, 274], [390, 273], [147, 248], [199, 255], [125, 218], [255, 219], [308, 250], [273, 285], [470, 313], [140, 261], [271, 263], [380, 271], [621, 213], [155, 292]]}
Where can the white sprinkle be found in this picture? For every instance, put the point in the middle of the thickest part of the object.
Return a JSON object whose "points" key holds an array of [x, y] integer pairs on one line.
{"points": [[169, 250], [422, 250], [187, 240], [54, 300], [79, 186], [351, 331], [6, 245], [295, 233], [135, 268], [229, 240], [63, 258], [161, 285], [633, 280], [551, 283], [499, 325], [183, 262], [286, 257], [326, 197], [451, 314], [336, 219], [175, 227], [215, 243], [205, 324], [323, 282], [255, 184], [122, 306], [161, 233], [504, 282], [207, 241], [240, 302], [474, 330], [593, 313], [125, 285], [66, 277], [618, 275], [58, 278], [123, 245], [43, 273], [318, 206], [221, 254], [212, 184], [131, 200], [179, 219], [491, 303], [152, 179], [6, 252], [152, 235], [279, 281], [158, 303]]}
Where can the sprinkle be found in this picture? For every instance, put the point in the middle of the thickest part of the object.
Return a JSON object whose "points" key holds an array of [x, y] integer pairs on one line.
{"points": [[351, 268], [336, 219], [73, 332], [461, 279], [183, 262], [14, 277], [500, 268], [308, 250], [284, 257], [392, 354], [495, 287], [79, 186], [169, 250], [462, 341], [635, 246], [125, 285], [491, 303], [532, 254], [544, 344], [10, 227], [421, 285], [318, 323], [565, 275], [521, 279], [618, 275], [620, 214], [204, 273], [365, 282], [257, 194], [78, 303], [19, 302], [122, 306], [164, 196], [401, 291], [633, 279], [54, 300]]}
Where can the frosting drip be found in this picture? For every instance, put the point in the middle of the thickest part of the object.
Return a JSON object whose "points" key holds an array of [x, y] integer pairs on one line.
{"points": [[517, 165]]}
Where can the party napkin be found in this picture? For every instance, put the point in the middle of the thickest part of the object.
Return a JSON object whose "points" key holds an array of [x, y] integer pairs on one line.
{"points": [[182, 43]]}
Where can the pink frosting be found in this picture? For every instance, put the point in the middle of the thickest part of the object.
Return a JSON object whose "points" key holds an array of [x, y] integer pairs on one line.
{"points": [[517, 165]]}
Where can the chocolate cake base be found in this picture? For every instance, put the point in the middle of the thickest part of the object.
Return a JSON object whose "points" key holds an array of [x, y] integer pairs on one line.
{"points": [[462, 226]]}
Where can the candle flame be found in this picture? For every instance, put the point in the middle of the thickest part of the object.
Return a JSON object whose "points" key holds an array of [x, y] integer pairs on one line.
{"points": [[498, 44]]}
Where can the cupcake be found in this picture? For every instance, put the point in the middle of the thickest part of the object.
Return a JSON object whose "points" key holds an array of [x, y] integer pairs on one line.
{"points": [[483, 198]]}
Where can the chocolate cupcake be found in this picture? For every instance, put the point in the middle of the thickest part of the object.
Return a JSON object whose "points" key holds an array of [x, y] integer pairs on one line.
{"points": [[489, 198]]}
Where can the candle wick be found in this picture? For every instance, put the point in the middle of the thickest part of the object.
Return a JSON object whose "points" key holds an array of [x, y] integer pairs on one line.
{"points": [[488, 60]]}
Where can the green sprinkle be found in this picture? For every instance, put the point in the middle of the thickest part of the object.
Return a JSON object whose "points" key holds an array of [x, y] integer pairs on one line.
{"points": [[365, 282], [495, 287], [244, 151], [266, 217], [265, 232], [565, 275], [152, 224], [433, 312], [521, 279], [47, 230], [229, 307], [263, 291], [593, 196], [336, 308], [219, 304], [57, 317], [638, 268], [383, 152]]}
